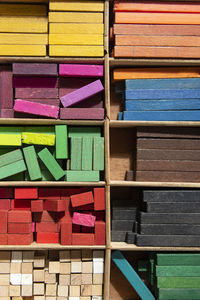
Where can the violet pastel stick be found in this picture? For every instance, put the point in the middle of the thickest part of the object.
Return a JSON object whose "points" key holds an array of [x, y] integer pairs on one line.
{"points": [[83, 93], [36, 108], [34, 82], [82, 113], [77, 70], [36, 93]]}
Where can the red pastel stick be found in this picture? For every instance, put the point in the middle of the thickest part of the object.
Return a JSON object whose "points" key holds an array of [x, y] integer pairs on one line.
{"points": [[6, 193], [49, 193], [20, 239], [3, 239], [82, 199], [47, 238], [26, 193], [20, 204], [54, 205], [100, 233], [37, 205], [82, 239], [19, 216], [3, 221], [99, 199], [20, 228], [4, 204], [66, 233], [47, 227]]}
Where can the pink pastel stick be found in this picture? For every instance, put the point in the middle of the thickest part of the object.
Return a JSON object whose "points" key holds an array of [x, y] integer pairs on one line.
{"points": [[75, 70], [83, 93], [34, 82], [55, 102], [36, 108], [82, 113], [83, 219]]}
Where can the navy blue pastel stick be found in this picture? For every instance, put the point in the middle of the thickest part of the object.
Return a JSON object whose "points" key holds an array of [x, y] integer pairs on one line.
{"points": [[181, 115], [162, 94], [180, 104], [168, 83]]}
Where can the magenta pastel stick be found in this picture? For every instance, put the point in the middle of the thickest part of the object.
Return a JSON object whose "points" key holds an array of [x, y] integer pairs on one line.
{"points": [[36, 93], [55, 102], [83, 219], [77, 70], [36, 108], [82, 113], [7, 113], [83, 93], [34, 82]]}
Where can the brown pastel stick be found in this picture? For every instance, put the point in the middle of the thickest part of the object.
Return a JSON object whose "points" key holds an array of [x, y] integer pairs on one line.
{"points": [[155, 29], [55, 102], [145, 51], [6, 88], [168, 165], [36, 93], [167, 176], [176, 144], [154, 154], [152, 40], [172, 132], [130, 175], [82, 113], [36, 69]]}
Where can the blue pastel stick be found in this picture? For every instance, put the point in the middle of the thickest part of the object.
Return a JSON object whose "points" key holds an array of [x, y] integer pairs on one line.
{"points": [[180, 104], [181, 115], [162, 94], [132, 277], [120, 116], [168, 83]]}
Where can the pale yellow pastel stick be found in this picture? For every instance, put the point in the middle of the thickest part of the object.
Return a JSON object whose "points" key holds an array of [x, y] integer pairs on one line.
{"points": [[24, 24], [82, 51], [76, 28], [38, 138], [76, 39], [22, 9], [73, 5], [23, 50], [10, 139], [23, 39], [75, 17]]}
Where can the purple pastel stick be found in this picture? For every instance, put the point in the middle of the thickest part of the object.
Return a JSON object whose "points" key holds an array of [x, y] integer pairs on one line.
{"points": [[36, 93], [54, 102], [34, 82], [35, 69], [6, 89], [82, 113], [83, 219], [83, 93], [7, 113], [36, 108], [77, 70]]}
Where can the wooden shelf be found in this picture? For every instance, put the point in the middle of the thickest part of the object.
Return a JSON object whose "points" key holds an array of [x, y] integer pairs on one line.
{"points": [[47, 59], [154, 184], [35, 246], [51, 183], [121, 124], [131, 247], [21, 121]]}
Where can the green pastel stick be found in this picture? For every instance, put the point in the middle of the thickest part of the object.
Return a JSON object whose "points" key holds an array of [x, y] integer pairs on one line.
{"points": [[178, 271], [51, 164], [76, 131], [87, 145], [177, 294], [12, 169], [83, 176], [61, 142], [76, 153], [98, 153], [180, 259], [10, 157], [32, 163], [178, 282]]}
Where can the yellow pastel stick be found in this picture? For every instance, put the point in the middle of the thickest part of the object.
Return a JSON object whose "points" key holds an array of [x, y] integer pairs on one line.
{"points": [[38, 138], [76, 39], [22, 9], [83, 51], [76, 28], [22, 50], [23, 39], [10, 139], [24, 24], [75, 17], [73, 5]]}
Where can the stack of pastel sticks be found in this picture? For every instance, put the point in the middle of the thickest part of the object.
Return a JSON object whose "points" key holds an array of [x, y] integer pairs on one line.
{"points": [[51, 153], [157, 29], [76, 28], [23, 29]]}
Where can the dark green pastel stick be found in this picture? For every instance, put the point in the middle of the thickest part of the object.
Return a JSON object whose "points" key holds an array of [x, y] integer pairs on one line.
{"points": [[178, 282], [180, 259], [177, 271], [177, 294]]}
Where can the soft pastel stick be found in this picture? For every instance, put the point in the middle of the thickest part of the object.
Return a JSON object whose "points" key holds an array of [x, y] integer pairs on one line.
{"points": [[83, 219], [6, 113], [36, 108], [82, 93], [54, 102], [36, 93], [34, 82], [77, 70], [82, 113]]}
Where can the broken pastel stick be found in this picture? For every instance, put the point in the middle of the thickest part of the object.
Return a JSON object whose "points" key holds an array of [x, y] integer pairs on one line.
{"points": [[83, 219]]}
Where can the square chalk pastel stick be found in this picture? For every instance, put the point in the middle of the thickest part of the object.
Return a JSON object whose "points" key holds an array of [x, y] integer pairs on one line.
{"points": [[77, 70], [36, 108], [6, 113], [36, 69], [34, 82], [82, 93], [36, 93], [54, 102], [82, 113], [6, 89]]}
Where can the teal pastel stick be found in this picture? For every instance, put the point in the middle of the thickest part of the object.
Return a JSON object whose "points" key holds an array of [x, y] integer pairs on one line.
{"points": [[132, 277]]}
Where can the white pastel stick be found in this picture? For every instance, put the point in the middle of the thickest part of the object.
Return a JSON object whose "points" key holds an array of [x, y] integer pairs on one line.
{"points": [[16, 279]]}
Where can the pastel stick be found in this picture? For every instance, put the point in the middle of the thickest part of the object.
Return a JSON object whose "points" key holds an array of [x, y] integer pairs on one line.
{"points": [[37, 69], [169, 229], [82, 93], [54, 102], [36, 93], [165, 83], [6, 89], [36, 108], [79, 70], [82, 113], [34, 82], [173, 207], [171, 195], [168, 240], [169, 218], [137, 94]]}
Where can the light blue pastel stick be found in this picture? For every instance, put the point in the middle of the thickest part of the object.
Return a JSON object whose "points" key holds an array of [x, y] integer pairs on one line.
{"points": [[180, 104], [167, 83], [181, 115], [132, 277], [162, 94]]}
